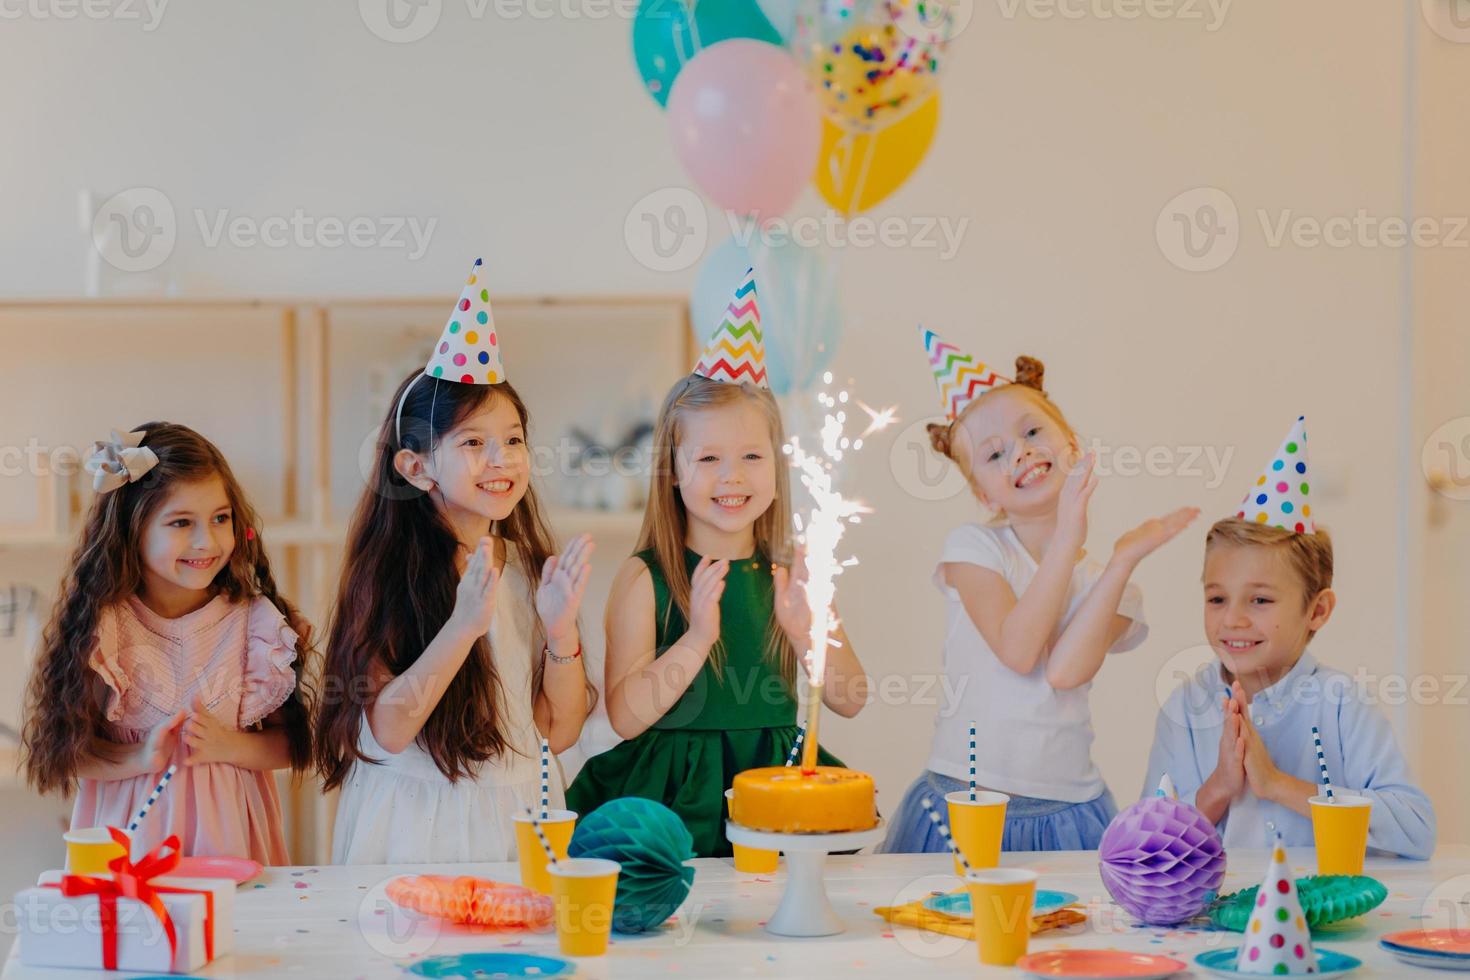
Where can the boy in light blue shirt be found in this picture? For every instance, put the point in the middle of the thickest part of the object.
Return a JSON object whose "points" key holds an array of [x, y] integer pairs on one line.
{"points": [[1236, 737]]}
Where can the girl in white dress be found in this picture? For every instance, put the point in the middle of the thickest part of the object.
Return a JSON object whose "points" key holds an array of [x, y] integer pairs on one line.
{"points": [[454, 646]]}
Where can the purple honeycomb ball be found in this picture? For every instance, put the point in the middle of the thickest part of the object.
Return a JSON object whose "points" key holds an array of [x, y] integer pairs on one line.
{"points": [[1162, 860]]}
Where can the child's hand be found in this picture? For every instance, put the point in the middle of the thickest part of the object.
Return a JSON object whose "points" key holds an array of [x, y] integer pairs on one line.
{"points": [[1230, 766], [1260, 772], [705, 589], [161, 744], [207, 738], [474, 600], [563, 582], [793, 612], [1072, 504], [1228, 780], [1144, 539]]}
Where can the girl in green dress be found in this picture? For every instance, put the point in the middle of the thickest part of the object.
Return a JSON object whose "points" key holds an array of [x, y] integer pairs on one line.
{"points": [[704, 622]]}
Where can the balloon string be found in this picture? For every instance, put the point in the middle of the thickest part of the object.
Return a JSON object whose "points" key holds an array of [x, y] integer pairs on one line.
{"points": [[855, 202], [841, 163], [693, 35]]}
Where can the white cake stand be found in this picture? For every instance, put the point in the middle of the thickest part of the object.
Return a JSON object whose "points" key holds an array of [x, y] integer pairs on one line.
{"points": [[804, 909]]}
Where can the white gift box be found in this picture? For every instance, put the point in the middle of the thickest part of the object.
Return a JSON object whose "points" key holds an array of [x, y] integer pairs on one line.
{"points": [[59, 931], [220, 920]]}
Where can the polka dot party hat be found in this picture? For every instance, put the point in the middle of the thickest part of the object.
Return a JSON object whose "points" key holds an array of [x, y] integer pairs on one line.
{"points": [[1277, 941], [961, 378], [736, 351], [1279, 496], [469, 349]]}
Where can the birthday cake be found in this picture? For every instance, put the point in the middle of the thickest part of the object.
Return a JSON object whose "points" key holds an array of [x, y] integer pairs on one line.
{"points": [[784, 800]]}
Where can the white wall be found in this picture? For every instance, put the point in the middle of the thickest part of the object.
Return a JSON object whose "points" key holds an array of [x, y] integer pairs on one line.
{"points": [[528, 141]]}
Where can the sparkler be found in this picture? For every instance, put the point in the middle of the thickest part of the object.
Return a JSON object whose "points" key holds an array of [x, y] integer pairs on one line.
{"points": [[820, 534]]}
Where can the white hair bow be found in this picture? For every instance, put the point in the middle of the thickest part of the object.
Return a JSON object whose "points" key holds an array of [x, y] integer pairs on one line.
{"points": [[119, 461]]}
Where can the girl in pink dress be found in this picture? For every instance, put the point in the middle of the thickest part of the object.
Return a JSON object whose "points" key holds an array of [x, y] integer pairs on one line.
{"points": [[169, 644]]}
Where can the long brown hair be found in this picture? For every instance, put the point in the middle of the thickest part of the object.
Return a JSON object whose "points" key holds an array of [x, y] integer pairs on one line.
{"points": [[66, 702], [666, 521], [398, 588]]}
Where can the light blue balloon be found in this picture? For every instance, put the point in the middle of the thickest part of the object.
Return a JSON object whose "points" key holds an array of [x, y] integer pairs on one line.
{"points": [[801, 309], [781, 14]]}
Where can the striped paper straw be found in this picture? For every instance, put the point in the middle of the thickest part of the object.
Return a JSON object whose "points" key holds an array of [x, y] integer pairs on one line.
{"points": [[153, 797], [1322, 763], [944, 832], [795, 752], [545, 779], [972, 762], [541, 836]]}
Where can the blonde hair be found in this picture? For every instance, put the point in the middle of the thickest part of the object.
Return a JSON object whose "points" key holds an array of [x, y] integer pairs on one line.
{"points": [[666, 521], [1308, 555]]}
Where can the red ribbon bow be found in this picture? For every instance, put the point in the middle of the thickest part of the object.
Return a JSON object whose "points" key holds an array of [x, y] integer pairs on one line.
{"points": [[128, 880]]}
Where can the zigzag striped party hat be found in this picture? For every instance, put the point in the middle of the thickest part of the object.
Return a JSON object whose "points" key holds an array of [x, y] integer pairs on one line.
{"points": [[961, 378], [736, 351], [469, 350], [1279, 495]]}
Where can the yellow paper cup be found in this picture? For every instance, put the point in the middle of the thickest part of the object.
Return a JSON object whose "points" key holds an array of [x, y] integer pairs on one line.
{"points": [[583, 890], [751, 860], [1341, 831], [977, 826], [1001, 899], [558, 827], [89, 850]]}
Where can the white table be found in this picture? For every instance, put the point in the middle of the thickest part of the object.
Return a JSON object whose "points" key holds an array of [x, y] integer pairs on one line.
{"points": [[335, 922]]}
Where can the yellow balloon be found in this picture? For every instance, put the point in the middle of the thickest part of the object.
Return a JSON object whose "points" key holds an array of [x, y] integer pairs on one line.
{"points": [[857, 170]]}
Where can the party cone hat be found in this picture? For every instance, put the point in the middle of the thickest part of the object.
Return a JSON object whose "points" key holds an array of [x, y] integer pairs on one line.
{"points": [[1279, 495], [736, 351], [961, 378], [1277, 940], [469, 350]]}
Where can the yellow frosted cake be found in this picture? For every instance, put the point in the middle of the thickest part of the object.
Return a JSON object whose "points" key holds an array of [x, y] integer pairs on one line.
{"points": [[780, 799]]}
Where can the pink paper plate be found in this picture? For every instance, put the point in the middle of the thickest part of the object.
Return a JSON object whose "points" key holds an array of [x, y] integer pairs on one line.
{"points": [[239, 870], [1099, 964], [1455, 942]]}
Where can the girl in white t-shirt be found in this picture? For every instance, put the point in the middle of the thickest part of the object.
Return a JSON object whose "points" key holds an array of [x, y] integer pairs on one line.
{"points": [[1029, 616]]}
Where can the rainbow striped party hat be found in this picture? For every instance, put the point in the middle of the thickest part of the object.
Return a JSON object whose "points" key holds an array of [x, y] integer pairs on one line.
{"points": [[961, 378], [736, 351], [469, 349], [1279, 495]]}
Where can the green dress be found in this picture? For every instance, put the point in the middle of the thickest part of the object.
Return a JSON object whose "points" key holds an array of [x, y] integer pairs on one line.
{"points": [[719, 727]]}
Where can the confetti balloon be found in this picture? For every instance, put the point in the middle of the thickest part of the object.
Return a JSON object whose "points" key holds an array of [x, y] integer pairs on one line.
{"points": [[872, 62], [1162, 860]]}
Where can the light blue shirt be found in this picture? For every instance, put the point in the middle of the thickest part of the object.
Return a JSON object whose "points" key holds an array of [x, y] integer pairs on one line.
{"points": [[1363, 757]]}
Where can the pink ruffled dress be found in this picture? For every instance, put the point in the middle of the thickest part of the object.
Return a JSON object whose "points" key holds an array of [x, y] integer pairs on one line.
{"points": [[237, 657]]}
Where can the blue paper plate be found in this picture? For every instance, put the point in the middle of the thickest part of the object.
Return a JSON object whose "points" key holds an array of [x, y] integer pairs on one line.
{"points": [[1430, 961], [491, 965], [958, 903], [1221, 962]]}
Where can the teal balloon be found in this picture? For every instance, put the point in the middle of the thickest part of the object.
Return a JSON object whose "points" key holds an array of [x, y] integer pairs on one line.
{"points": [[652, 844], [665, 37], [800, 304]]}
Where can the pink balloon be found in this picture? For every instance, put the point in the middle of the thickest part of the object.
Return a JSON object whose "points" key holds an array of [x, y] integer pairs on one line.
{"points": [[745, 125]]}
